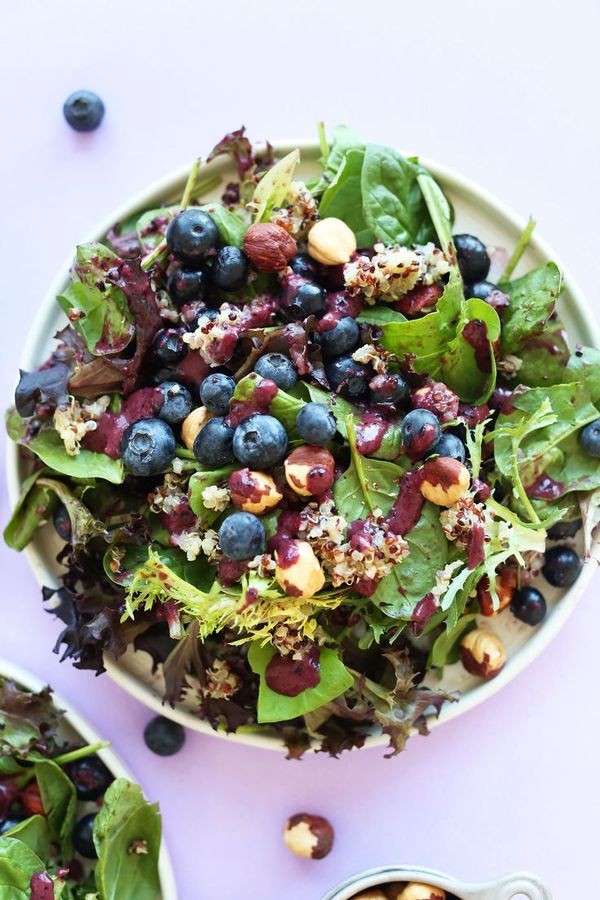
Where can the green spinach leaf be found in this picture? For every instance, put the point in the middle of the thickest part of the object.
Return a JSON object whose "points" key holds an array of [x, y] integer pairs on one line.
{"points": [[273, 188], [584, 367], [33, 509], [59, 800], [343, 198], [380, 315], [461, 366], [532, 301], [17, 864], [201, 480], [34, 833]]}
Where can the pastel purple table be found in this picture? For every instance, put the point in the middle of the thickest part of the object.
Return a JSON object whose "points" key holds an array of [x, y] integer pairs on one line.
{"points": [[506, 95]]}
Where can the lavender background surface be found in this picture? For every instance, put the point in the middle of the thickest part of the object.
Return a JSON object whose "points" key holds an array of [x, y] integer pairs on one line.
{"points": [[504, 92]]}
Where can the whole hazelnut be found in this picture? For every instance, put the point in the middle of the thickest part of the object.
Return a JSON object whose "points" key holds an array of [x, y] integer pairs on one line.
{"points": [[371, 894], [444, 480], [269, 247], [415, 890], [31, 800], [192, 424], [254, 492], [309, 470], [308, 835], [438, 399], [298, 571], [505, 594], [482, 653], [331, 242]]}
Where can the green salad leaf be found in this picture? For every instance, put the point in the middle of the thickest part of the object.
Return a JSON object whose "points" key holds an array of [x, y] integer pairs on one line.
{"points": [[59, 800], [274, 186], [33, 508], [584, 368], [201, 480], [377, 487], [344, 140], [344, 200], [272, 707], [33, 832], [532, 301], [18, 863]]}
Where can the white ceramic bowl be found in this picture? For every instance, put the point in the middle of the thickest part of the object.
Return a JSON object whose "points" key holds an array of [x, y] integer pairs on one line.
{"points": [[477, 212], [74, 727], [518, 885]]}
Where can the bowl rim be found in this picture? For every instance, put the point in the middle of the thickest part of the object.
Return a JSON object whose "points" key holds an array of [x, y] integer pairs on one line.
{"points": [[166, 186], [109, 756]]}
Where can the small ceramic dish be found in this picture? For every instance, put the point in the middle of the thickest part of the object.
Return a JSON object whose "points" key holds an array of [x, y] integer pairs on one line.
{"points": [[477, 212], [73, 727], [520, 885]]}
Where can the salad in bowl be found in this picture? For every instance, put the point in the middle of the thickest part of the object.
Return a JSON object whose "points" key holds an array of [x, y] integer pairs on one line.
{"points": [[304, 449]]}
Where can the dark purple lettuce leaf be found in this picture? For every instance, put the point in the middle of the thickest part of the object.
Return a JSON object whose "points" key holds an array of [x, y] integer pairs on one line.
{"points": [[48, 385], [27, 719]]}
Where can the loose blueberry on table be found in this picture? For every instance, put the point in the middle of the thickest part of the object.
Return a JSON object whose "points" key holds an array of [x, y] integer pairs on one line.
{"points": [[275, 421]]}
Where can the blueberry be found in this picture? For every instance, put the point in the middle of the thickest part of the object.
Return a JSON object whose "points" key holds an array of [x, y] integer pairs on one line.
{"points": [[230, 269], [589, 438], [480, 289], [242, 536], [473, 259], [260, 442], [147, 447], [177, 402], [216, 391], [450, 445], [90, 777], [303, 300], [528, 605], [62, 522], [213, 445], [302, 265], [163, 736], [168, 346], [348, 377], [186, 285], [83, 837], [279, 368], [339, 339], [316, 424], [562, 530], [420, 431], [192, 235], [83, 110], [389, 389], [561, 566]]}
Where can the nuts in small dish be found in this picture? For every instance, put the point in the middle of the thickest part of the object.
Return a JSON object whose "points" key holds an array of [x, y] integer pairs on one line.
{"points": [[308, 835], [331, 242], [445, 480], [254, 492], [309, 470], [192, 425], [415, 890], [482, 653], [371, 894], [269, 247], [298, 570]]}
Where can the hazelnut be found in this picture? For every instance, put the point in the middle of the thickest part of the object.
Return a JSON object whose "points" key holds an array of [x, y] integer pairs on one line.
{"points": [[438, 399], [298, 570], [372, 894], [414, 890], [505, 594], [309, 470], [269, 247], [444, 480], [309, 836], [331, 242], [31, 800], [482, 653], [192, 425], [254, 492]]}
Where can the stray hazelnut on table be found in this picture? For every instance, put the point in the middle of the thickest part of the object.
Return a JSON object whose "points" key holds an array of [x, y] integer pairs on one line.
{"points": [[269, 247], [415, 890], [482, 653], [254, 492], [331, 242], [308, 835], [192, 425], [309, 470], [298, 571], [445, 480]]}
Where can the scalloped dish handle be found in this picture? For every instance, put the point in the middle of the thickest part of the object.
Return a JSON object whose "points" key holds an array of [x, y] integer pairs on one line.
{"points": [[520, 886]]}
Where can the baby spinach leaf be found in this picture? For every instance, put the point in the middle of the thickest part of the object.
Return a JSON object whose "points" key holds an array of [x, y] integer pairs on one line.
{"points": [[17, 864], [544, 358], [88, 303], [25, 719], [532, 301], [201, 480], [584, 367], [34, 833], [569, 466], [445, 647], [197, 573], [59, 800], [416, 573], [471, 370], [231, 227], [367, 484], [344, 139], [393, 205], [335, 679], [32, 510], [274, 186], [380, 315], [48, 446], [343, 198], [127, 833], [283, 406]]}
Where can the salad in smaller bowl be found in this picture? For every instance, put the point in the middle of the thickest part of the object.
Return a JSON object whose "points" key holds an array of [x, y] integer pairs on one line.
{"points": [[72, 825], [301, 449]]}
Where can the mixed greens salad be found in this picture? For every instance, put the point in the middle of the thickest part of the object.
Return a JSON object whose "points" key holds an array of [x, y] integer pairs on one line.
{"points": [[297, 444], [68, 828]]}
